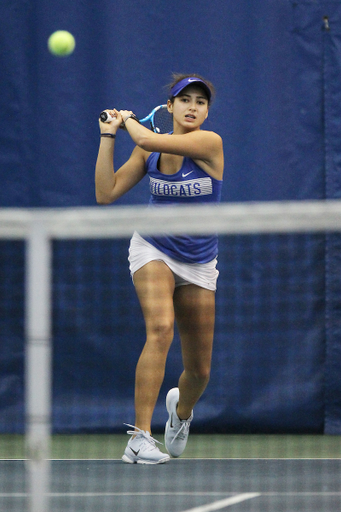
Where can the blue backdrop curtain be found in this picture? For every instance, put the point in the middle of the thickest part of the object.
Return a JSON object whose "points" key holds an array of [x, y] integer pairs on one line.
{"points": [[276, 68]]}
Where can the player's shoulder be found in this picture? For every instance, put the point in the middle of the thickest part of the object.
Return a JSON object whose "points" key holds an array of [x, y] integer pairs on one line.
{"points": [[208, 134], [213, 140], [213, 135]]}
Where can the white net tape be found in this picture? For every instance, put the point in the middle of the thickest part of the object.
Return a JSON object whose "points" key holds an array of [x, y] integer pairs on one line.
{"points": [[121, 221]]}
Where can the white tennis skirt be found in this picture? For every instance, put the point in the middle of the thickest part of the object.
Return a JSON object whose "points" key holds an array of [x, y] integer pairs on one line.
{"points": [[142, 252]]}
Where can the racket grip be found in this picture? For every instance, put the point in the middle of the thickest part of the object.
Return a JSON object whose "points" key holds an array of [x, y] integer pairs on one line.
{"points": [[105, 117]]}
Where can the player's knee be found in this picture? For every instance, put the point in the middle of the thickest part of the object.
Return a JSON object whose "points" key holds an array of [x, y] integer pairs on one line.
{"points": [[162, 333], [200, 373]]}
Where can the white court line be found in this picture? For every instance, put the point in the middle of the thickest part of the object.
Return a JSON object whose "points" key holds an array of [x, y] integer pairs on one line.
{"points": [[154, 494], [218, 505], [113, 494]]}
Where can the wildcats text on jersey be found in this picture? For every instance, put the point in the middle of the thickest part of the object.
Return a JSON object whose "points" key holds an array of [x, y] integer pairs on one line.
{"points": [[194, 187]]}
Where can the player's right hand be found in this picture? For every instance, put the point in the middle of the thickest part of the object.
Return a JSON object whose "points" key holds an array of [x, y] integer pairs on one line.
{"points": [[114, 124]]}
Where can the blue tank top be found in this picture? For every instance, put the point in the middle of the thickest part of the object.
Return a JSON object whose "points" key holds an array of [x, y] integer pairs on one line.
{"points": [[190, 184]]}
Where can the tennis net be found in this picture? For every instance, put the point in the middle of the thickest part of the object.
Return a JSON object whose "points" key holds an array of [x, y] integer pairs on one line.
{"points": [[73, 330]]}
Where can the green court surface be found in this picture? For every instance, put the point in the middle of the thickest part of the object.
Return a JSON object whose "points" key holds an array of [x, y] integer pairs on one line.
{"points": [[93, 446]]}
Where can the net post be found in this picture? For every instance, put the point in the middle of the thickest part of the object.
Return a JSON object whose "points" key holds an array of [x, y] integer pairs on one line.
{"points": [[38, 365]]}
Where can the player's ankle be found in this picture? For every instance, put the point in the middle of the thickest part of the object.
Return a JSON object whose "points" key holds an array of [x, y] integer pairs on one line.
{"points": [[183, 416]]}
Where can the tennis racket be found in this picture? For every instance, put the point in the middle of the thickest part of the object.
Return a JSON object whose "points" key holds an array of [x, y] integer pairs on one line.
{"points": [[160, 120]]}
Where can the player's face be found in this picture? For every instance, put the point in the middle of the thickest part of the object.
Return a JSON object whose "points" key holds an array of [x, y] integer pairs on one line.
{"points": [[189, 109]]}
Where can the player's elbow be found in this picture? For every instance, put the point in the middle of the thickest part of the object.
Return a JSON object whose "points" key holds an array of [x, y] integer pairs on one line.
{"points": [[103, 199]]}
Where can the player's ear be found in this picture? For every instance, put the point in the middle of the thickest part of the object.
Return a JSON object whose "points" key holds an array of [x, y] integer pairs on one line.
{"points": [[170, 106]]}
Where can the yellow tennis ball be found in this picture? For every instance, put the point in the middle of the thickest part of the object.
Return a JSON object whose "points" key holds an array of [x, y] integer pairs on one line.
{"points": [[61, 43]]}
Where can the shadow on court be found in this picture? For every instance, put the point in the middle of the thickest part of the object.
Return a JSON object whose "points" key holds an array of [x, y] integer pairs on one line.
{"points": [[198, 485]]}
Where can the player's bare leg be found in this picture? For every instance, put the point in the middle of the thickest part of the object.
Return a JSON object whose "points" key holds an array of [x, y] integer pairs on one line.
{"points": [[154, 285], [195, 316], [195, 311]]}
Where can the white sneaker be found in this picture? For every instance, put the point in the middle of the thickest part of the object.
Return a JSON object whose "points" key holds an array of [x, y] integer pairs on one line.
{"points": [[176, 431], [141, 449]]}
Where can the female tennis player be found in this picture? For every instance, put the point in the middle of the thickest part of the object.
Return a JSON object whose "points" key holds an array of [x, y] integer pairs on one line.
{"points": [[174, 276]]}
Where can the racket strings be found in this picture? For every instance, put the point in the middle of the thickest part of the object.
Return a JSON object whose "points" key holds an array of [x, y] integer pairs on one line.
{"points": [[163, 121]]}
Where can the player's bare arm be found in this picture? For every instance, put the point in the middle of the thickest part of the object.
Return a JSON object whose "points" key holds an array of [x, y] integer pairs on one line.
{"points": [[204, 147], [111, 185]]}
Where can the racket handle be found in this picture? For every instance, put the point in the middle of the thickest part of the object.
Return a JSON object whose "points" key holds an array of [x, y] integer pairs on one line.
{"points": [[105, 117]]}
